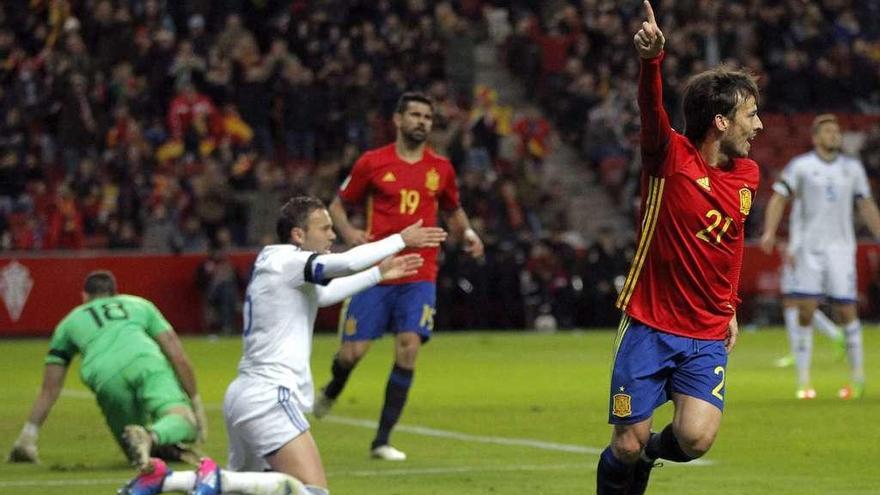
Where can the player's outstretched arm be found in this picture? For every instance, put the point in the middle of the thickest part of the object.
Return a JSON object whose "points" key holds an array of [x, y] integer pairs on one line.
{"points": [[327, 266], [390, 268], [25, 447]]}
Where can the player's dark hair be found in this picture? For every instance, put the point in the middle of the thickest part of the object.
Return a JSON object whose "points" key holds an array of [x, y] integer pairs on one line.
{"points": [[714, 92], [295, 213], [403, 101], [100, 283]]}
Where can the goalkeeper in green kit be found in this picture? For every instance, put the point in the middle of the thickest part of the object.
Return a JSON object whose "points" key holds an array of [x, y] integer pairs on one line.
{"points": [[134, 363]]}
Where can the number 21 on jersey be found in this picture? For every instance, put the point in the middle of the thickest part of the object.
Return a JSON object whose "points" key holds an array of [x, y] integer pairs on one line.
{"points": [[709, 234]]}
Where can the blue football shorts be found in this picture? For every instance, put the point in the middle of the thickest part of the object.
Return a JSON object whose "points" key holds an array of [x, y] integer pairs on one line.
{"points": [[650, 365], [396, 308]]}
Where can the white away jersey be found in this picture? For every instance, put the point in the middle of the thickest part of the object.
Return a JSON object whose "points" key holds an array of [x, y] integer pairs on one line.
{"points": [[823, 194], [279, 315]]}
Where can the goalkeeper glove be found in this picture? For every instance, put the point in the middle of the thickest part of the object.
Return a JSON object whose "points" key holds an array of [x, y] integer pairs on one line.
{"points": [[25, 447], [201, 418]]}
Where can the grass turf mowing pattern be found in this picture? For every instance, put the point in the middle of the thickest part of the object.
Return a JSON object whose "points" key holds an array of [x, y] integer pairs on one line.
{"points": [[485, 389]]}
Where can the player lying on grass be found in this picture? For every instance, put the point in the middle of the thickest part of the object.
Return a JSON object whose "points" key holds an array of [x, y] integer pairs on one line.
{"points": [[134, 363]]}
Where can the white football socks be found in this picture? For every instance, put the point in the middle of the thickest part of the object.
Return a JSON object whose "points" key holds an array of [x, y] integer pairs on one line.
{"points": [[250, 483], [179, 481], [268, 483], [790, 316], [803, 354], [855, 350]]}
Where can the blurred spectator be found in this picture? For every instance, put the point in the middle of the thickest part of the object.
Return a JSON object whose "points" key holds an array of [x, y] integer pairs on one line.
{"points": [[198, 35], [603, 270], [188, 66], [213, 198], [549, 296], [78, 123], [65, 225], [488, 123], [160, 231], [251, 73], [460, 55], [122, 235], [193, 123], [533, 133], [192, 238], [301, 108], [219, 284], [262, 204]]}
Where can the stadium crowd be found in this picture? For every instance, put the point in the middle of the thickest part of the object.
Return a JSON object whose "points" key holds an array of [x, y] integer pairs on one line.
{"points": [[574, 56], [181, 126]]}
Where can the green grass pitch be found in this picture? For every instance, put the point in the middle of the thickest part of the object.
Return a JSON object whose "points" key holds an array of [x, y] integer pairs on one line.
{"points": [[494, 413]]}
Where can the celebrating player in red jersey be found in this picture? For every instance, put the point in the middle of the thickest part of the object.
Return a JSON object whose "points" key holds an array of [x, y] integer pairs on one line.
{"points": [[680, 297], [401, 183]]}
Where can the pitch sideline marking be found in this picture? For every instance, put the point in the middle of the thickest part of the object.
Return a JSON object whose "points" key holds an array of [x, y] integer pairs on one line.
{"points": [[453, 435], [466, 437]]}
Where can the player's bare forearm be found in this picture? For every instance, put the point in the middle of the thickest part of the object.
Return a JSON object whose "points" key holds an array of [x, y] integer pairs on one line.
{"points": [[458, 222], [460, 227], [338, 214], [173, 350], [772, 217], [870, 215], [53, 382], [350, 235]]}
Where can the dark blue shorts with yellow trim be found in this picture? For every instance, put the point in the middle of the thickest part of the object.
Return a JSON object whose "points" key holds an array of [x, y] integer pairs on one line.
{"points": [[649, 365], [396, 308]]}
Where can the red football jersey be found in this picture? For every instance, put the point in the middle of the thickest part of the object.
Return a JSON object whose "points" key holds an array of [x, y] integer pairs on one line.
{"points": [[398, 194], [685, 273]]}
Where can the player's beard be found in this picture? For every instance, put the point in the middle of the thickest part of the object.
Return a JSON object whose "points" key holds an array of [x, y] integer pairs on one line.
{"points": [[730, 149], [414, 137]]}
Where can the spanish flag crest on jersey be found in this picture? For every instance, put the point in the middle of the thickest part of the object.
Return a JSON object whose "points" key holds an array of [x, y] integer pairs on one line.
{"points": [[432, 180]]}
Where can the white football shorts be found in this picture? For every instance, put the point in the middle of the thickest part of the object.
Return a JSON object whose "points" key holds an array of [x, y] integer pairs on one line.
{"points": [[261, 417], [830, 273]]}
